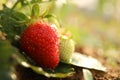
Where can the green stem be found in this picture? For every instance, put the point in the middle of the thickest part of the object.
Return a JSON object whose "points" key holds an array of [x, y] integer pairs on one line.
{"points": [[15, 4], [47, 1]]}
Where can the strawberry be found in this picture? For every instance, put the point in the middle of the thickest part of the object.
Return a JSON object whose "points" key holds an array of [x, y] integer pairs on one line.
{"points": [[66, 49], [40, 42]]}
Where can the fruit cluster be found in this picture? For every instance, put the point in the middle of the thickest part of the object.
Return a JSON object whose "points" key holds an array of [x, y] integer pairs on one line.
{"points": [[42, 43], [36, 36]]}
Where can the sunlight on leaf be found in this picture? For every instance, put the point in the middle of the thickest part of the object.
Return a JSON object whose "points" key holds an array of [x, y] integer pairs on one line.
{"points": [[57, 73], [35, 10], [87, 74], [89, 62], [61, 71]]}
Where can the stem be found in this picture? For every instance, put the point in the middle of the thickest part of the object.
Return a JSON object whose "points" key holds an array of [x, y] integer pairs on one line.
{"points": [[15, 4], [47, 1]]}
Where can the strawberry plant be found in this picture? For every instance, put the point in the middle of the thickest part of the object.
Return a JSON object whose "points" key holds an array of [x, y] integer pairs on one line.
{"points": [[41, 45]]}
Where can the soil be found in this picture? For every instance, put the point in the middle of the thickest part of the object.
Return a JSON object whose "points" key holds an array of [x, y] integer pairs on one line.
{"points": [[113, 73]]}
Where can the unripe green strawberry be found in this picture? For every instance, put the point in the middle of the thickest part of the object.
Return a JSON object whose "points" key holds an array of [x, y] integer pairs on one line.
{"points": [[40, 41], [66, 49]]}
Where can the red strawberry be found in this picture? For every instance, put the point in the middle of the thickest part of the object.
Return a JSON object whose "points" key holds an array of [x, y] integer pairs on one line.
{"points": [[40, 42]]}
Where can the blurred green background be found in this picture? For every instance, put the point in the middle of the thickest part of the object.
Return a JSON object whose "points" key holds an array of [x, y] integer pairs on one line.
{"points": [[93, 23]]}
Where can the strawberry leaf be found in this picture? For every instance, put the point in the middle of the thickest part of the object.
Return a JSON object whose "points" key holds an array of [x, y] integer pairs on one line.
{"points": [[53, 19], [88, 62], [12, 23], [40, 1], [87, 75], [28, 2], [35, 10], [34, 1], [61, 71]]}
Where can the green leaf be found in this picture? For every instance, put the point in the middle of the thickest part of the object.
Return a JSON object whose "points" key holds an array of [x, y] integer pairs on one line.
{"points": [[61, 71], [87, 74], [19, 16], [13, 23], [50, 15], [44, 13], [35, 10], [34, 1], [40, 1], [4, 75], [52, 18], [88, 62]]}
